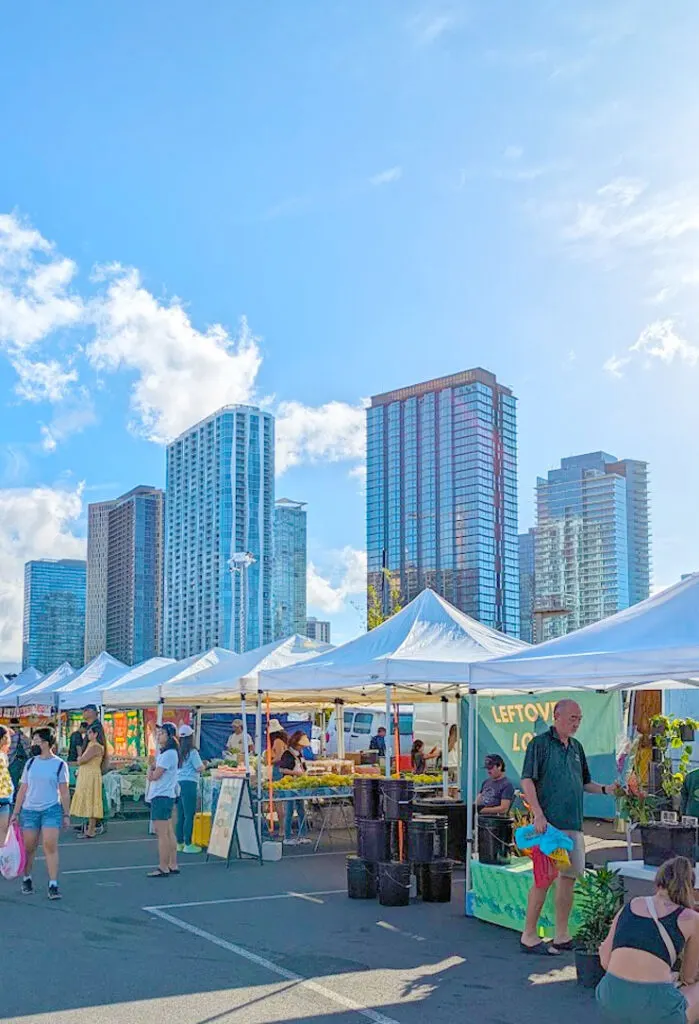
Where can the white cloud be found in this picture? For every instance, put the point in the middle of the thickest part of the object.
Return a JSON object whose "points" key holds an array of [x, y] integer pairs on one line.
{"points": [[35, 295], [34, 523], [182, 374], [42, 381], [428, 27], [660, 340], [625, 212], [332, 433], [346, 579], [615, 364], [70, 417], [386, 177]]}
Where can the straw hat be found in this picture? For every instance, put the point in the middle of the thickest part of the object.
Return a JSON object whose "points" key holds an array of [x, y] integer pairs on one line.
{"points": [[275, 726]]}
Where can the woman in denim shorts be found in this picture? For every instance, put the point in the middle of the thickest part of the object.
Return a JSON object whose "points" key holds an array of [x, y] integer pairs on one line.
{"points": [[43, 806], [162, 792]]}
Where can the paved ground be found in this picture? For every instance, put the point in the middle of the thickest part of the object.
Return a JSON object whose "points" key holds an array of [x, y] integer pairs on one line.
{"points": [[257, 944]]}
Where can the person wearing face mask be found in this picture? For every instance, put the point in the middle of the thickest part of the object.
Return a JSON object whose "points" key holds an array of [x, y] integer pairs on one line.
{"points": [[43, 806]]}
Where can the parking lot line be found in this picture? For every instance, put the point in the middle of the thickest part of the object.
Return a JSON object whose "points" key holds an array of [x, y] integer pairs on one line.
{"points": [[248, 899], [246, 954]]}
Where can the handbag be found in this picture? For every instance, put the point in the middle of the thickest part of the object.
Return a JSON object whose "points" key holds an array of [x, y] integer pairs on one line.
{"points": [[13, 855]]}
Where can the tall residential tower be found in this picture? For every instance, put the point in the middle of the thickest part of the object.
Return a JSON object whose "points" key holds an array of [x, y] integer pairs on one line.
{"points": [[592, 546], [442, 495], [289, 568], [125, 576], [54, 613], [219, 533]]}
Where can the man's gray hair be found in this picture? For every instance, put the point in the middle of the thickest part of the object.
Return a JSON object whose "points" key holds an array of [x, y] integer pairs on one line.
{"points": [[562, 704]]}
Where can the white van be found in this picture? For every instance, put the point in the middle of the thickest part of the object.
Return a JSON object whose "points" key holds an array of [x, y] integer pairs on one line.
{"points": [[417, 721]]}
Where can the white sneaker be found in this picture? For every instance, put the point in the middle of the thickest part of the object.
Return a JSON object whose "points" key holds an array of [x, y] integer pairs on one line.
{"points": [[291, 842], [302, 841]]}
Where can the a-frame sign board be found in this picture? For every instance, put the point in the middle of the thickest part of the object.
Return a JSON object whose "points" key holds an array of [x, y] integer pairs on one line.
{"points": [[234, 821]]}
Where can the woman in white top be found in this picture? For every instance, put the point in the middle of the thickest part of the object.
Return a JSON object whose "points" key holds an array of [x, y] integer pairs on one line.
{"points": [[162, 793], [43, 805]]}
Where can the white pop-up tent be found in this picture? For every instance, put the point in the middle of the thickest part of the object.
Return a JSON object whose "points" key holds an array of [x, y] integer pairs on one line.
{"points": [[657, 639], [237, 676], [147, 690], [85, 686], [424, 650], [42, 691], [26, 679]]}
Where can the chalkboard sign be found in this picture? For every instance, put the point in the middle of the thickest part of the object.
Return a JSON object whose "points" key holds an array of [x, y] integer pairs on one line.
{"points": [[234, 819]]}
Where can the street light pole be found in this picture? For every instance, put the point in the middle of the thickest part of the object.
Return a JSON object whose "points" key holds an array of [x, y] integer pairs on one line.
{"points": [[239, 563]]}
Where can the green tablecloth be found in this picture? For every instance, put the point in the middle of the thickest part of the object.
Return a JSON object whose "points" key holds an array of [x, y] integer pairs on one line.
{"points": [[499, 896]]}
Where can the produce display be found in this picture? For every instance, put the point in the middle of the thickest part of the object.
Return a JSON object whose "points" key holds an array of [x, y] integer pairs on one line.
{"points": [[299, 782]]}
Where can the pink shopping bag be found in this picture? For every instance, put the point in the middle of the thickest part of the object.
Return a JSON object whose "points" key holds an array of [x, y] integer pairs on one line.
{"points": [[13, 856]]}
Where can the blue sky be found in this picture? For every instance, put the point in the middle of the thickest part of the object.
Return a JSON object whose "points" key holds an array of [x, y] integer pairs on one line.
{"points": [[387, 191]]}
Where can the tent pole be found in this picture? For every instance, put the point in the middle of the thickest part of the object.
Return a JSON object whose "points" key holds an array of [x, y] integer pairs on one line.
{"points": [[244, 714], [445, 746], [476, 755], [389, 742], [197, 728], [469, 788], [161, 706], [258, 751], [340, 719]]}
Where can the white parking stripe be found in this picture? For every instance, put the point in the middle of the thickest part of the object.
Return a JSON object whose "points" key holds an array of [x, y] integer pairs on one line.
{"points": [[246, 954], [248, 899]]}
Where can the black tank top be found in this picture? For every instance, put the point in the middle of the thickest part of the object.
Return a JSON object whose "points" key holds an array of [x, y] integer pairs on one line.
{"points": [[636, 932]]}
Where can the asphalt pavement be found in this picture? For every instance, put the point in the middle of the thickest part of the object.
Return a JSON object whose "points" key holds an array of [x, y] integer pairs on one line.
{"points": [[257, 945]]}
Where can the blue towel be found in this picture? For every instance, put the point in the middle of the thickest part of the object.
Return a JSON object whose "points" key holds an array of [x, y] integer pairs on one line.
{"points": [[548, 841]]}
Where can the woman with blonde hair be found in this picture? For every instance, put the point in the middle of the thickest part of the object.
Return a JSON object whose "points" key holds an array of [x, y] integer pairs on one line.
{"points": [[87, 799], [639, 954]]}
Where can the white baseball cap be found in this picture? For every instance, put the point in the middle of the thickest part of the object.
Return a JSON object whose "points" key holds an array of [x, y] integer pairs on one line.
{"points": [[185, 730]]}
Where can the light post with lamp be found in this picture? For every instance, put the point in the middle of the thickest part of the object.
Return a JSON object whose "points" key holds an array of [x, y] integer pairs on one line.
{"points": [[239, 563]]}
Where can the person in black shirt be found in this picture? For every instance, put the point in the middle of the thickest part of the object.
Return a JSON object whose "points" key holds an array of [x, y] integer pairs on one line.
{"points": [[77, 743], [378, 742]]}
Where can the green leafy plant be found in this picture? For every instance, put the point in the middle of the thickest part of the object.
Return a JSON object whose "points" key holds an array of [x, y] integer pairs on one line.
{"points": [[375, 609], [636, 807], [667, 737], [600, 895]]}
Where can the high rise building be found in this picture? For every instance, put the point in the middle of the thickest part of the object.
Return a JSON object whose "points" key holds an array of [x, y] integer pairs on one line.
{"points": [[318, 629], [125, 576], [526, 585], [442, 495], [54, 613], [592, 541], [219, 543], [289, 568]]}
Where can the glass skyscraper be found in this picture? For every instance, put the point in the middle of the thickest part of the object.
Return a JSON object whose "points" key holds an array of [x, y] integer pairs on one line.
{"points": [[318, 629], [219, 544], [442, 495], [54, 613], [289, 568], [592, 546], [125, 576], [526, 586]]}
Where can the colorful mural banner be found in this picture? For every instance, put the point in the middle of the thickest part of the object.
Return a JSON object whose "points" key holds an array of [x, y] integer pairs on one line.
{"points": [[178, 717], [508, 724]]}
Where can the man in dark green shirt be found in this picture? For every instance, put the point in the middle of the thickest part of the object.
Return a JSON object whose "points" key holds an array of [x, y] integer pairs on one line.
{"points": [[554, 778], [689, 798]]}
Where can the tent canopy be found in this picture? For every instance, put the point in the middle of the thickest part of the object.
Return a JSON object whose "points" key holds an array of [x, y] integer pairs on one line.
{"points": [[239, 674], [147, 690], [424, 650], [86, 685], [24, 681], [657, 639], [42, 691]]}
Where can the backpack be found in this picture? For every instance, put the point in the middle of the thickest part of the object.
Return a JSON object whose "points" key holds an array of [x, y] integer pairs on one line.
{"points": [[21, 753]]}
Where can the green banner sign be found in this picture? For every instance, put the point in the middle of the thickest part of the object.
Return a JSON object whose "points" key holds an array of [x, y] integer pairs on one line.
{"points": [[508, 724]]}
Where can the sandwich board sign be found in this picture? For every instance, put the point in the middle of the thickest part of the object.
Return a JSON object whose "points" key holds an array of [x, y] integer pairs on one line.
{"points": [[234, 821]]}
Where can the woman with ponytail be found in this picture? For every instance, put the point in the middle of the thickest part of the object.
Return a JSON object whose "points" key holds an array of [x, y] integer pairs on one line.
{"points": [[639, 954]]}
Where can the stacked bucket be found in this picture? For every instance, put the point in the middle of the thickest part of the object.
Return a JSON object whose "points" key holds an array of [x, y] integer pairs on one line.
{"points": [[399, 853]]}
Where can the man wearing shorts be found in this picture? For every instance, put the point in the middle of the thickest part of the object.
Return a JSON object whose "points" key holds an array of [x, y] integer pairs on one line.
{"points": [[554, 777]]}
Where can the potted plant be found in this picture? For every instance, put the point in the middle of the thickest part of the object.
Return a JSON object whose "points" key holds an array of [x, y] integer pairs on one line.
{"points": [[673, 755], [600, 894]]}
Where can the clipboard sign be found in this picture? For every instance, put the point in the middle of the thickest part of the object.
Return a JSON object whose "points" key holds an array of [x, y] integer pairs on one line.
{"points": [[234, 821]]}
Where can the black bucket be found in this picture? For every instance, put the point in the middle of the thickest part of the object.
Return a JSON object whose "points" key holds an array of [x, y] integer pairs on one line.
{"points": [[394, 884], [422, 840], [361, 879], [495, 838], [455, 811], [435, 881], [366, 798], [588, 969], [397, 799], [373, 839]]}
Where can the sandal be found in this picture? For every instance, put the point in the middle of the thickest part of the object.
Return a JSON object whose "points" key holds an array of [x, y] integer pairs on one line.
{"points": [[174, 871], [158, 873], [563, 947], [540, 949]]}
